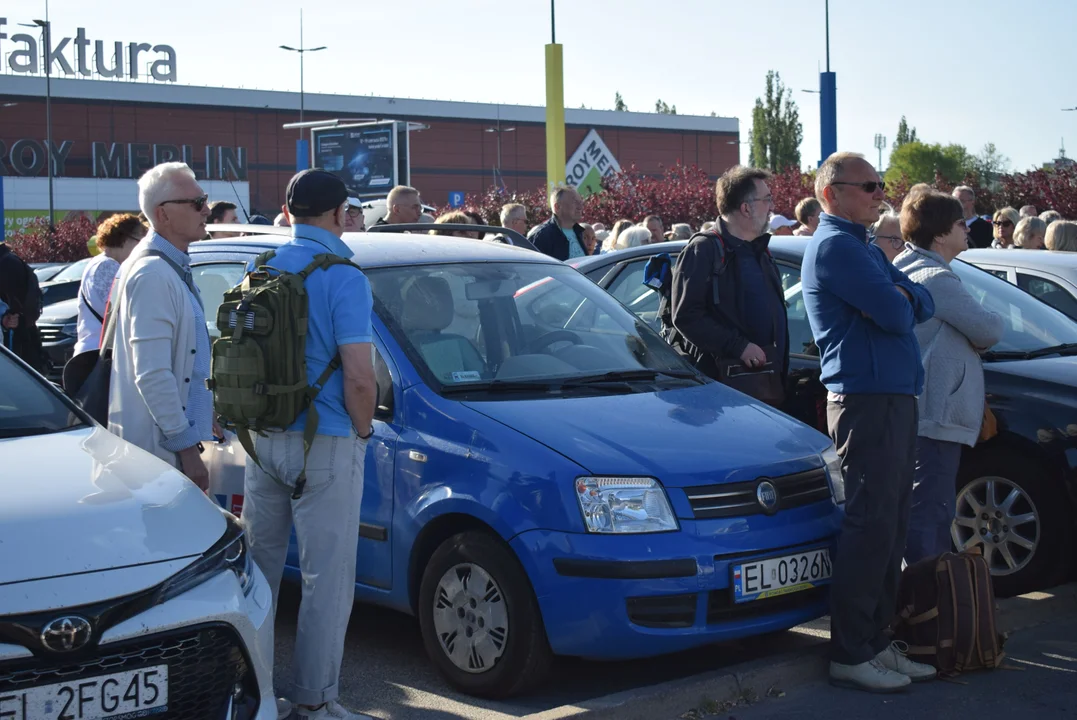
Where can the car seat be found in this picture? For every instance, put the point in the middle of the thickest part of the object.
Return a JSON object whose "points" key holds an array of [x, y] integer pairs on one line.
{"points": [[428, 310]]}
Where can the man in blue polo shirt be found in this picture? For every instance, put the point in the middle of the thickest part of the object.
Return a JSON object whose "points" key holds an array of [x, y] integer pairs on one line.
{"points": [[326, 514], [862, 312]]}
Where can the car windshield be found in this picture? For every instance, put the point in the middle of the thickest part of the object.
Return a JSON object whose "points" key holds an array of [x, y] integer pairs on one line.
{"points": [[71, 272], [27, 405], [474, 324], [1029, 323]]}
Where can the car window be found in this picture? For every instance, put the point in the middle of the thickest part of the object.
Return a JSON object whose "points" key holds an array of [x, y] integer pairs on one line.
{"points": [[213, 281], [1050, 292], [71, 272], [628, 287], [1004, 274], [27, 405], [473, 322], [801, 340]]}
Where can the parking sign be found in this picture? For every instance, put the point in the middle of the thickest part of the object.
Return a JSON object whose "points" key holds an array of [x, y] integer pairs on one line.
{"points": [[456, 198]]}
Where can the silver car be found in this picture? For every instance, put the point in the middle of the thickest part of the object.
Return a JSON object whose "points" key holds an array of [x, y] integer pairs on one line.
{"points": [[1050, 276]]}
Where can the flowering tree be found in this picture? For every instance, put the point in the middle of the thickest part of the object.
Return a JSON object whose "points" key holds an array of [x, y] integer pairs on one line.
{"points": [[33, 242]]}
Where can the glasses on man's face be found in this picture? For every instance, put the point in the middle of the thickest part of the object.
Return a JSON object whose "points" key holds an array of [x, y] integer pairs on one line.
{"points": [[868, 187], [1002, 223], [353, 211], [197, 203], [896, 241], [769, 200]]}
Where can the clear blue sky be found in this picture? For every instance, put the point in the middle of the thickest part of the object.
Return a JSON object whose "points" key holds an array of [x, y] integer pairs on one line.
{"points": [[966, 71]]}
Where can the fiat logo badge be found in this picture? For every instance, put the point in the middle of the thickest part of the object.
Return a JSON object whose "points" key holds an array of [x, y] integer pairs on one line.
{"points": [[767, 496]]}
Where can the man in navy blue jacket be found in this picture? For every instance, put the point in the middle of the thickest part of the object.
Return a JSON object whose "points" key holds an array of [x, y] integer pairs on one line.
{"points": [[561, 236], [862, 312]]}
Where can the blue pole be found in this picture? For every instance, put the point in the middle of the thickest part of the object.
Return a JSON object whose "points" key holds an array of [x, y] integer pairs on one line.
{"points": [[828, 114]]}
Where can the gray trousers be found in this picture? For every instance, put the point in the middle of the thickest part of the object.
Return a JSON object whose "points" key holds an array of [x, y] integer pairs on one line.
{"points": [[326, 519], [933, 498], [876, 438]]}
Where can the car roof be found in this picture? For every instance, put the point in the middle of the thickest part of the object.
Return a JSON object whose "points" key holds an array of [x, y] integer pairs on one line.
{"points": [[784, 245], [385, 249], [1034, 259]]}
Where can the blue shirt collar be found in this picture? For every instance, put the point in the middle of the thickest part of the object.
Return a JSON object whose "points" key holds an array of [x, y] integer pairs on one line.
{"points": [[314, 238], [173, 253], [842, 225]]}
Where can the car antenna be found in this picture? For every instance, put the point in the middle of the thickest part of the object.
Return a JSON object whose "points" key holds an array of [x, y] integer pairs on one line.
{"points": [[238, 200]]}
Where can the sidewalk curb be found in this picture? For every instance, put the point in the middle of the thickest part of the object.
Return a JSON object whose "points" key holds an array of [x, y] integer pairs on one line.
{"points": [[781, 672]]}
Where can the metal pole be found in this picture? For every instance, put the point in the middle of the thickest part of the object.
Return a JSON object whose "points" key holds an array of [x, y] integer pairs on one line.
{"points": [[302, 100], [553, 24], [828, 35], [48, 114]]}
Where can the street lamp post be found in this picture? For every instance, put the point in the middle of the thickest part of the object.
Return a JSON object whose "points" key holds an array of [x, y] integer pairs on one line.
{"points": [[880, 143], [301, 153], [47, 42], [498, 129]]}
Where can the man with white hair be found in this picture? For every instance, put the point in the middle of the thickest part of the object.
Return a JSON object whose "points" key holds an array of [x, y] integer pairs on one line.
{"points": [[1029, 211], [402, 206], [980, 232], [158, 398], [514, 217], [561, 236]]}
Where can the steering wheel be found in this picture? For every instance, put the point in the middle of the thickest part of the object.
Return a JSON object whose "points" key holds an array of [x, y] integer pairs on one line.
{"points": [[550, 338]]}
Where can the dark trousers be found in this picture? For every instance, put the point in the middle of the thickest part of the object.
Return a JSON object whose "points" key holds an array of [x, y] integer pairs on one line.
{"points": [[876, 438], [933, 498]]}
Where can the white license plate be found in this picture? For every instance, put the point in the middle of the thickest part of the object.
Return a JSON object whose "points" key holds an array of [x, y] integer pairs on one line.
{"points": [[781, 575], [131, 694]]}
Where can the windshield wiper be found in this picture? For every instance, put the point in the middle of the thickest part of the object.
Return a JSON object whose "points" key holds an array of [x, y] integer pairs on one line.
{"points": [[506, 386], [627, 376], [1061, 349], [28, 431]]}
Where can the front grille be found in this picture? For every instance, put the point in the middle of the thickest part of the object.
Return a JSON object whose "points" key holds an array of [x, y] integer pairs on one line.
{"points": [[663, 611], [50, 333], [739, 499], [722, 608], [204, 664]]}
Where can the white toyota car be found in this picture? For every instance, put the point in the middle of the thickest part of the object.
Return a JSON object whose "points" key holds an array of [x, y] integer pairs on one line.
{"points": [[124, 591]]}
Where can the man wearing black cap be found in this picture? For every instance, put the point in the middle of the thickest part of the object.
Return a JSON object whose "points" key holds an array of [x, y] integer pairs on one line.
{"points": [[326, 515]]}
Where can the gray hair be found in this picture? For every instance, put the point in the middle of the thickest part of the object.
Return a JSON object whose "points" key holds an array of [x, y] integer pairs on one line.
{"points": [[559, 192], [1062, 235], [158, 184], [1027, 227], [1028, 211], [1050, 216], [831, 169], [706, 226], [878, 224], [511, 210], [681, 231], [397, 193], [633, 237], [963, 189]]}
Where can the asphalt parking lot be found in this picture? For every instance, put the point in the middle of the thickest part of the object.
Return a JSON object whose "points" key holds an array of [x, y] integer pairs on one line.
{"points": [[386, 672]]}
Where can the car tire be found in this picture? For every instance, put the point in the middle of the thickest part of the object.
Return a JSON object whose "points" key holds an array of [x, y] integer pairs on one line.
{"points": [[1038, 493], [480, 621]]}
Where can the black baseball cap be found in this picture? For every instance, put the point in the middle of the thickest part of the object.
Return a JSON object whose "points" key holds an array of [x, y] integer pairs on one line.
{"points": [[313, 192]]}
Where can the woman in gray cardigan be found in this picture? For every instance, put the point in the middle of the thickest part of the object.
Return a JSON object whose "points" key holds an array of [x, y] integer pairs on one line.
{"points": [[952, 404]]}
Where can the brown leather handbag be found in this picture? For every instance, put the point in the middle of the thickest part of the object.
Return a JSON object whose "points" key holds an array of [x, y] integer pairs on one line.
{"points": [[989, 428]]}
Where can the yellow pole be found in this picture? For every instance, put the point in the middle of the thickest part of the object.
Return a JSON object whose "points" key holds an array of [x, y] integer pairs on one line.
{"points": [[555, 116]]}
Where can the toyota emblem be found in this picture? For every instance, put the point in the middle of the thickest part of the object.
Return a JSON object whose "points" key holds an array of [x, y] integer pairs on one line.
{"points": [[66, 634], [767, 496]]}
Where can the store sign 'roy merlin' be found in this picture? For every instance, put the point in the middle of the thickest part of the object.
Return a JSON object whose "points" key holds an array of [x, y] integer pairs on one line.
{"points": [[25, 58]]}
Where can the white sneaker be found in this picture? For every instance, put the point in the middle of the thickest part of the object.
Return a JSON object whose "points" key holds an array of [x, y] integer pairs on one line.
{"points": [[330, 711], [284, 708], [893, 658], [870, 676]]}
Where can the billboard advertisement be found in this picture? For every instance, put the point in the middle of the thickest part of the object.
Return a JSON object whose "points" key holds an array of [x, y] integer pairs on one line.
{"points": [[370, 158]]}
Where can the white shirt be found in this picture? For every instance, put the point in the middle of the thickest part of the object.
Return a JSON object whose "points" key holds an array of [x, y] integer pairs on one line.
{"points": [[96, 283]]}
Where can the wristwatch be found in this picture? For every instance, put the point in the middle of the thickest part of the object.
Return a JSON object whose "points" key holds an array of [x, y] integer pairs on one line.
{"points": [[368, 435]]}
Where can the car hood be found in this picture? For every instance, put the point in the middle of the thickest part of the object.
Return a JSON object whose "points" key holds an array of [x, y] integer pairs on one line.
{"points": [[84, 500], [684, 437], [61, 313], [1053, 377]]}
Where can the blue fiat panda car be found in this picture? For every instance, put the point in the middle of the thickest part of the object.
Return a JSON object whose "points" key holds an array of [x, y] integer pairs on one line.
{"points": [[547, 477]]}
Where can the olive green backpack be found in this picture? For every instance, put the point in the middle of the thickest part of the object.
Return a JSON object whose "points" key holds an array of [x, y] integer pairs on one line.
{"points": [[259, 369]]}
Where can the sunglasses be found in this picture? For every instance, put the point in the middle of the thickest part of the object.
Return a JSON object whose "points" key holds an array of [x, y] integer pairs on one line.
{"points": [[868, 187], [197, 203], [1002, 223]]}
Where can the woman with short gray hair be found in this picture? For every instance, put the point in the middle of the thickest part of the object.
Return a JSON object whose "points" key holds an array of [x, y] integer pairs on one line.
{"points": [[1062, 235], [1030, 233], [886, 234]]}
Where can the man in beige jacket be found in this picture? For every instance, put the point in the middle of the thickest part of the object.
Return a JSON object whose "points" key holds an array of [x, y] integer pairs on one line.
{"points": [[161, 358]]}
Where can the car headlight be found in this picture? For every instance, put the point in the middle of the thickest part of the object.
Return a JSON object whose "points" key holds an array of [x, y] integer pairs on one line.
{"points": [[624, 505], [70, 329], [833, 470], [229, 553]]}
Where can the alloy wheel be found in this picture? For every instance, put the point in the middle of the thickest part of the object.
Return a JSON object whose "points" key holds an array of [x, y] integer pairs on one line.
{"points": [[470, 618], [997, 515]]}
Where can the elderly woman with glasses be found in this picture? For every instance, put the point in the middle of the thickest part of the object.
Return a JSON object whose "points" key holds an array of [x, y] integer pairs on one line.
{"points": [[1005, 222], [951, 405], [886, 234]]}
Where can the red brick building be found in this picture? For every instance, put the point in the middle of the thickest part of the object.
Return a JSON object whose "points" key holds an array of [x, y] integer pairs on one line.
{"points": [[105, 133]]}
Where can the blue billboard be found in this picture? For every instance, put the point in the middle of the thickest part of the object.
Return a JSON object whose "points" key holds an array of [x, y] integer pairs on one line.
{"points": [[368, 158]]}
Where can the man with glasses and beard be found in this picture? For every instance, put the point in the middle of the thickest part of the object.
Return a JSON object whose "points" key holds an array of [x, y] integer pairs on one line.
{"points": [[863, 312], [158, 398], [740, 313]]}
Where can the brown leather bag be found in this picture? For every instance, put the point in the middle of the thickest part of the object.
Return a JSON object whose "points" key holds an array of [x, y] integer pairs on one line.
{"points": [[947, 614], [763, 383], [989, 428]]}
